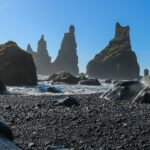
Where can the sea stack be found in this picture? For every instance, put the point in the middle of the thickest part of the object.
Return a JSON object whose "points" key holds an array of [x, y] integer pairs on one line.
{"points": [[67, 59], [29, 49], [117, 60], [41, 57]]}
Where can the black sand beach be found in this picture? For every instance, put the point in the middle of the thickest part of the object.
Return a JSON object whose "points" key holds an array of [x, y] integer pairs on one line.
{"points": [[96, 124]]}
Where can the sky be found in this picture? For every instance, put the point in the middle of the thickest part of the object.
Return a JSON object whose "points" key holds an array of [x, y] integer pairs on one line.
{"points": [[24, 21]]}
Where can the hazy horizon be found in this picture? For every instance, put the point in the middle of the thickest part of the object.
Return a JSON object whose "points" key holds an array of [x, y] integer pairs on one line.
{"points": [[25, 22]]}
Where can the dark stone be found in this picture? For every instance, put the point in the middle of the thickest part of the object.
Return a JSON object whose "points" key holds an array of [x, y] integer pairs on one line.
{"points": [[67, 59], [143, 96], [53, 90], [16, 66], [8, 107], [117, 60], [68, 102], [108, 81], [5, 131], [92, 82], [126, 83], [123, 90], [2, 87], [64, 77], [41, 58]]}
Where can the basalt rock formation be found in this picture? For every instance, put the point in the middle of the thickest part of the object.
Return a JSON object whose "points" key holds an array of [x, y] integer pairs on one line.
{"points": [[117, 60], [63, 77], [16, 65], [67, 59], [41, 57]]}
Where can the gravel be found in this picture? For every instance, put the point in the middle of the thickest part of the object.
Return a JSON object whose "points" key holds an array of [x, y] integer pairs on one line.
{"points": [[95, 124]]}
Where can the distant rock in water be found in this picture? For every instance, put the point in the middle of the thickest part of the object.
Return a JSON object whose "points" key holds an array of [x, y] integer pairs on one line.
{"points": [[16, 66], [91, 82], [146, 72], [41, 57], [63, 77], [67, 59], [117, 60]]}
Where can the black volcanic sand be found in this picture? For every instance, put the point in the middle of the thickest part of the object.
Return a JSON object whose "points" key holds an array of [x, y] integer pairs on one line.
{"points": [[96, 124]]}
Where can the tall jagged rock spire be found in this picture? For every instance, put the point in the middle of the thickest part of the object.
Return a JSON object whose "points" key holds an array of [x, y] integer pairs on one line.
{"points": [[67, 59], [117, 60], [42, 46], [29, 49], [41, 58]]}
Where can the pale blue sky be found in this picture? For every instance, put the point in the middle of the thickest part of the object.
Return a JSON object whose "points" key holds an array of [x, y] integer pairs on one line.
{"points": [[25, 20]]}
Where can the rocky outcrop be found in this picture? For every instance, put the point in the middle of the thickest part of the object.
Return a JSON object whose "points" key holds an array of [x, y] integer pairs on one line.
{"points": [[41, 57], [63, 77], [67, 59], [123, 90], [117, 60], [16, 66]]}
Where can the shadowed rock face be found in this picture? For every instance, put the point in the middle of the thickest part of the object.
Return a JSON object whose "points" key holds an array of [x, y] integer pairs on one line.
{"points": [[67, 59], [16, 66], [41, 57], [117, 60]]}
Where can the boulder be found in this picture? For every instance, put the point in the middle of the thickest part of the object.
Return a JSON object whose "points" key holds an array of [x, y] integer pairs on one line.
{"points": [[53, 90], [67, 59], [2, 87], [117, 60], [5, 131], [144, 97], [123, 90], [64, 77], [68, 102], [92, 82], [16, 66]]}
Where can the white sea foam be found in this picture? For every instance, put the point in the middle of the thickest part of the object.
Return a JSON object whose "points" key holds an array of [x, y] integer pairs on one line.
{"points": [[41, 88]]}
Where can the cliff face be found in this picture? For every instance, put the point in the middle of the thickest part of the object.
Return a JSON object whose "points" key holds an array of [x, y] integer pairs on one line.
{"points": [[67, 59], [117, 60]]}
